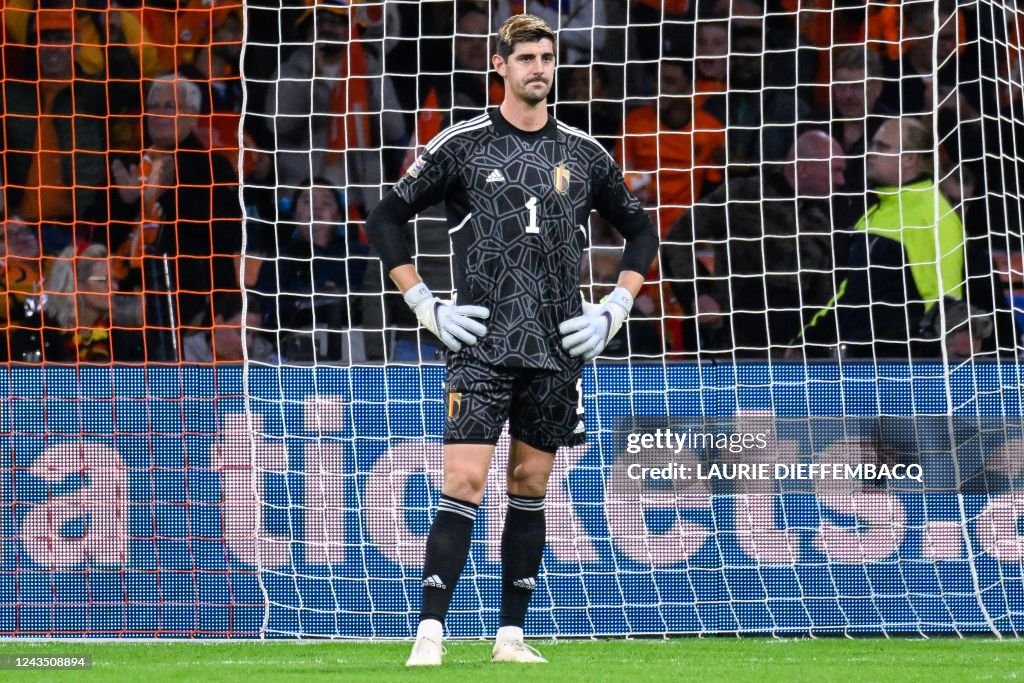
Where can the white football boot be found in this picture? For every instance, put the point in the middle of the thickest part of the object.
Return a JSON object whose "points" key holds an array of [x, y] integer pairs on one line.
{"points": [[428, 650], [510, 647]]}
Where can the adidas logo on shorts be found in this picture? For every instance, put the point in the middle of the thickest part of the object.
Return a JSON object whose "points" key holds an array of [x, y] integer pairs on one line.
{"points": [[527, 584], [495, 177], [434, 581]]}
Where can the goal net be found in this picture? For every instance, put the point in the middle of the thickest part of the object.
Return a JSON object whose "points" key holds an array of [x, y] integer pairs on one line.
{"points": [[836, 189], [811, 422]]}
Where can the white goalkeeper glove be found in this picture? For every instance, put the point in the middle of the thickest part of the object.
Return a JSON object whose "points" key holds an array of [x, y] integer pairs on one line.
{"points": [[588, 334], [453, 325]]}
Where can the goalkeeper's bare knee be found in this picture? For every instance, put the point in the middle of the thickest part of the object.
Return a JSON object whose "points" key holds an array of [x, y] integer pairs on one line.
{"points": [[465, 471]]}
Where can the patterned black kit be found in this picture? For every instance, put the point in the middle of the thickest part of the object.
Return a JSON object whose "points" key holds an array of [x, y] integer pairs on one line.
{"points": [[518, 205]]}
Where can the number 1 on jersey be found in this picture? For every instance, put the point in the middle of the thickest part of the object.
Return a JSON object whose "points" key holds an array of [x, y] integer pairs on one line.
{"points": [[532, 228]]}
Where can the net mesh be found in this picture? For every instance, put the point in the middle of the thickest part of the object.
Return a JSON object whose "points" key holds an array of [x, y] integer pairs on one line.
{"points": [[836, 186]]}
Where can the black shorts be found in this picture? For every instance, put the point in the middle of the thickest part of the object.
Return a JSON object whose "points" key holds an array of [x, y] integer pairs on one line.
{"points": [[544, 407]]}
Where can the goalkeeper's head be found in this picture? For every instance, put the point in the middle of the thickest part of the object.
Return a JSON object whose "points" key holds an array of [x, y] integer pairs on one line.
{"points": [[526, 59], [522, 28]]}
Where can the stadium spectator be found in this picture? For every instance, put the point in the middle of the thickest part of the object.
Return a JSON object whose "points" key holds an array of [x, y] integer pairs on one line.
{"points": [[125, 89], [579, 23], [660, 28], [325, 105], [222, 340], [762, 106], [320, 265], [55, 151], [906, 256], [669, 152], [321, 261], [711, 58], [985, 290], [586, 103], [98, 325], [938, 75], [264, 232], [857, 110], [18, 19], [1001, 204], [21, 303], [464, 93], [772, 248], [926, 45], [259, 173], [214, 64], [473, 85], [188, 208], [824, 25], [101, 54]]}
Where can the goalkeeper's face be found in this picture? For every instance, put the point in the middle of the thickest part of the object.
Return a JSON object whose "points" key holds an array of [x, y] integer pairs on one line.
{"points": [[529, 71]]}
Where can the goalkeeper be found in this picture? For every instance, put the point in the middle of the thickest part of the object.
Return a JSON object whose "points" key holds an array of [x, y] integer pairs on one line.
{"points": [[518, 189]]}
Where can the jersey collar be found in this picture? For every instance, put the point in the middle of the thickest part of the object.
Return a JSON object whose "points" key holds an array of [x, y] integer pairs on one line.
{"points": [[503, 127]]}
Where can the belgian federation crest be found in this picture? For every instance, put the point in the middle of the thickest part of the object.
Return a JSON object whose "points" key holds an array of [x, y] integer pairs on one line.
{"points": [[561, 179], [454, 405]]}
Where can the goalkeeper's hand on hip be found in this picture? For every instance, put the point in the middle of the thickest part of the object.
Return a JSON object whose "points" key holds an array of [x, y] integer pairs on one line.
{"points": [[587, 335], [455, 326]]}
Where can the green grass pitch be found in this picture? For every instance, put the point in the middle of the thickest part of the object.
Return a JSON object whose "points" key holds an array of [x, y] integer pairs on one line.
{"points": [[681, 659]]}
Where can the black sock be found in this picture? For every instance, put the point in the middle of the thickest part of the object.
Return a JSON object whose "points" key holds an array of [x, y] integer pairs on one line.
{"points": [[447, 550], [522, 545]]}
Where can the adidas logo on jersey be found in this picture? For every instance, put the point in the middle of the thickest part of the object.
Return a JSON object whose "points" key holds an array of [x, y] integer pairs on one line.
{"points": [[495, 177], [527, 584], [434, 581], [580, 428]]}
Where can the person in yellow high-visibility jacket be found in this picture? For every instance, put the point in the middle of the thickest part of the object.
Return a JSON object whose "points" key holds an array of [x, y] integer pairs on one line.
{"points": [[907, 253]]}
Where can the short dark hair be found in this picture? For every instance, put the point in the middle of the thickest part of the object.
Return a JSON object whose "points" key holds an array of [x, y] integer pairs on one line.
{"points": [[858, 57], [522, 28], [309, 184]]}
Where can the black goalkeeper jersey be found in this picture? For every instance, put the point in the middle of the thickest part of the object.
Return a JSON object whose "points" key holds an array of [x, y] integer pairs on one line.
{"points": [[518, 205]]}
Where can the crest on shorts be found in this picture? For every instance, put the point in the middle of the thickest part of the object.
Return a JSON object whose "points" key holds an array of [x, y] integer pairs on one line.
{"points": [[561, 178], [454, 404]]}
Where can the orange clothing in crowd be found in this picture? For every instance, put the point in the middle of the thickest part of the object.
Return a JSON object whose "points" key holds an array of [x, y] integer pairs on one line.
{"points": [[682, 161], [162, 39], [19, 279], [881, 30], [704, 89], [45, 197], [432, 117]]}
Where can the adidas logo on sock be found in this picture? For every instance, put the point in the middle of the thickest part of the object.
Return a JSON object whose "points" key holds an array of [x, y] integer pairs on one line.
{"points": [[434, 581], [495, 177], [527, 584]]}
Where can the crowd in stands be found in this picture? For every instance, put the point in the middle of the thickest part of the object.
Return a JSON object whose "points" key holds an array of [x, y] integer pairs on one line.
{"points": [[829, 178]]}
